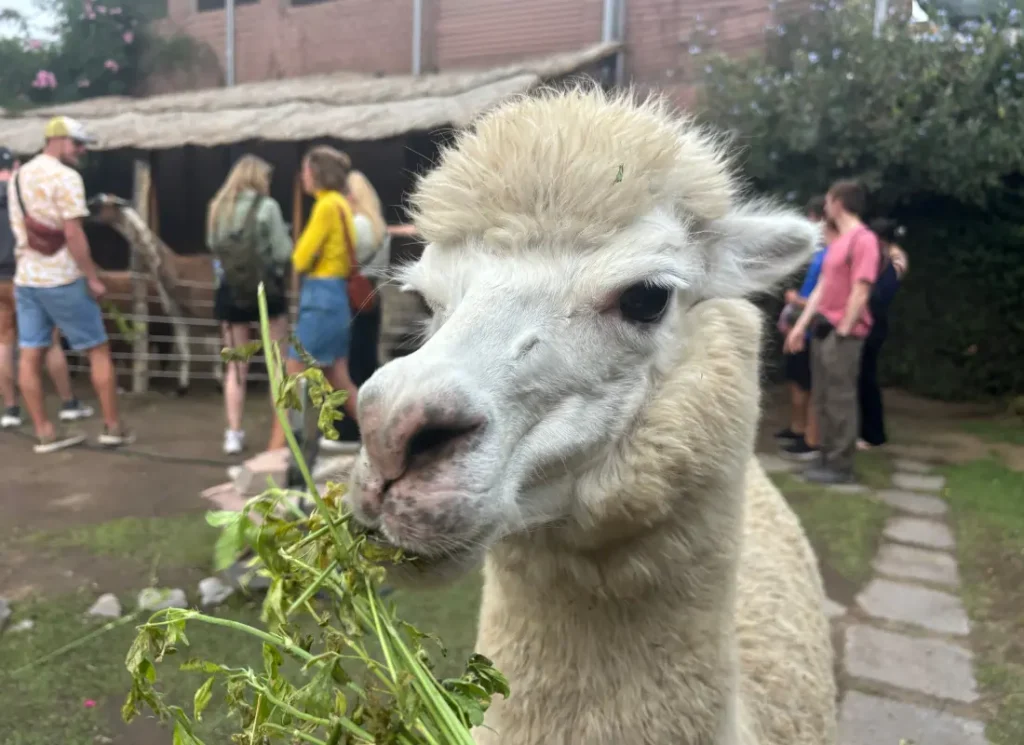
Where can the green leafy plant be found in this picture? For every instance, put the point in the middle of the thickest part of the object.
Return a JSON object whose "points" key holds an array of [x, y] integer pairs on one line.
{"points": [[931, 118], [339, 666]]}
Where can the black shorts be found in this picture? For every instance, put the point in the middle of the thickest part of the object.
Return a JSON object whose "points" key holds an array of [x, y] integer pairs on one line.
{"points": [[225, 310], [797, 368]]}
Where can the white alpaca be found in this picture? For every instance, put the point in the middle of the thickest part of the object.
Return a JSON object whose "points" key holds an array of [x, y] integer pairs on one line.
{"points": [[584, 414]]}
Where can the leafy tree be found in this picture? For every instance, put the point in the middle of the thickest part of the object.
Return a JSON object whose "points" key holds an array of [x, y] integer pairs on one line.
{"points": [[932, 120], [101, 49]]}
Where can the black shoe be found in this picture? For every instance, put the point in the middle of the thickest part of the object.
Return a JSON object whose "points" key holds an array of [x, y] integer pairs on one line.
{"points": [[787, 434], [799, 450]]}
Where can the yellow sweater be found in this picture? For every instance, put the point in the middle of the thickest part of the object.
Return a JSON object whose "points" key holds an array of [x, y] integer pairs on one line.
{"points": [[322, 250]]}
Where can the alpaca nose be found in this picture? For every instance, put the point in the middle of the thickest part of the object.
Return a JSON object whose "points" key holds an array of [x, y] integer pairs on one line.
{"points": [[412, 433]]}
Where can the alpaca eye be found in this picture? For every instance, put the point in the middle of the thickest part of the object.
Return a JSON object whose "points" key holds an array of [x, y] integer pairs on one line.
{"points": [[644, 302]]}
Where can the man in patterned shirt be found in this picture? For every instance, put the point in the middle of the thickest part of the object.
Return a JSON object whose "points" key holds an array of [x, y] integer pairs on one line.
{"points": [[60, 288]]}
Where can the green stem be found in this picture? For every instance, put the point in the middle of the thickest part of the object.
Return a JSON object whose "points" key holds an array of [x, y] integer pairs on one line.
{"points": [[278, 641], [312, 589], [294, 733], [348, 724], [274, 374], [384, 645], [78, 642]]}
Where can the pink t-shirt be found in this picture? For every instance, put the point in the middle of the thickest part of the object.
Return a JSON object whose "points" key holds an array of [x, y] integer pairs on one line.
{"points": [[852, 257]]}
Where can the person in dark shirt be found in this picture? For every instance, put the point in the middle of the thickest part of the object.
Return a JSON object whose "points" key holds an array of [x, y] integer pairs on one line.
{"points": [[890, 275]]}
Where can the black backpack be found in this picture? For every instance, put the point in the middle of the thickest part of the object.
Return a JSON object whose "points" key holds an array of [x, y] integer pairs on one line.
{"points": [[244, 263]]}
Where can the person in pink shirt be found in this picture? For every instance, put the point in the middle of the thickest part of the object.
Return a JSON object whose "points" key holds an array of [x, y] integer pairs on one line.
{"points": [[838, 318]]}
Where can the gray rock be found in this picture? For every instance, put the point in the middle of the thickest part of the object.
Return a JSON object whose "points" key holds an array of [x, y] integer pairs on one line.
{"points": [[922, 532], [930, 666], [918, 481], [154, 599], [5, 611], [911, 604], [833, 609], [26, 624], [106, 606], [906, 465], [848, 488], [906, 562], [776, 464], [869, 720], [923, 505], [213, 591]]}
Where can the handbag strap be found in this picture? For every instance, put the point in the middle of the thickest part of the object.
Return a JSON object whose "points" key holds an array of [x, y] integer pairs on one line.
{"points": [[17, 192]]}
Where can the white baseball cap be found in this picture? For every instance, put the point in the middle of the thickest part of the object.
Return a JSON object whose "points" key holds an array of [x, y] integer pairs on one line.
{"points": [[65, 126]]}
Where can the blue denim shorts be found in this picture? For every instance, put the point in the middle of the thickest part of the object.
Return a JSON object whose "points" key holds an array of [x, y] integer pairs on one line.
{"points": [[324, 318], [71, 308]]}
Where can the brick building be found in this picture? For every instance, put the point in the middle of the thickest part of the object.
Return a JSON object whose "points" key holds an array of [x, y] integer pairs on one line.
{"points": [[288, 38]]}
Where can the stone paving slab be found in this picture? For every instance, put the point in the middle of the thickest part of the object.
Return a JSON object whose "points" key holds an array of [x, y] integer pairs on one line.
{"points": [[833, 609], [869, 720], [848, 488], [922, 532], [918, 481], [924, 505], [906, 562], [908, 465], [930, 666], [776, 464], [911, 604]]}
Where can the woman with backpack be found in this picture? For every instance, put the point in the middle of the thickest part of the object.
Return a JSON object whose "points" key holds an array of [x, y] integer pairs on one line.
{"points": [[891, 272], [324, 259], [247, 235]]}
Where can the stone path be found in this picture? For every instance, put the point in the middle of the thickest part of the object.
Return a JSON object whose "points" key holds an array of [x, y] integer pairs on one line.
{"points": [[908, 672]]}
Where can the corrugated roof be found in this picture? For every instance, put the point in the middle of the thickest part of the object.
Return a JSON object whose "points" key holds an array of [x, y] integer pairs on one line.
{"points": [[346, 106]]}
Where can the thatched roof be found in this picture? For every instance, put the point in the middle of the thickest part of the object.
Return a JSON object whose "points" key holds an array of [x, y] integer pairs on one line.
{"points": [[347, 106]]}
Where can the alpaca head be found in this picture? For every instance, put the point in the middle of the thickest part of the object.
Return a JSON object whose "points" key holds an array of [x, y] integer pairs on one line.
{"points": [[569, 235]]}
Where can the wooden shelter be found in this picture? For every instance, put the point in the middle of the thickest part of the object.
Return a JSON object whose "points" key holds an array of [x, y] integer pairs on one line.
{"points": [[172, 151]]}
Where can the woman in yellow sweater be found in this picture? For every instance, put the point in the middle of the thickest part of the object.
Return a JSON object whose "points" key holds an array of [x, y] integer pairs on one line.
{"points": [[322, 258]]}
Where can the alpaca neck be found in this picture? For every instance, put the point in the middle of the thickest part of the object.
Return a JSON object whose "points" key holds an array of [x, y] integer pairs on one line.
{"points": [[637, 586]]}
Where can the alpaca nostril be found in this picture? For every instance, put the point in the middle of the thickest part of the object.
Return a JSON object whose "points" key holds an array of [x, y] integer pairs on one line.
{"points": [[432, 439]]}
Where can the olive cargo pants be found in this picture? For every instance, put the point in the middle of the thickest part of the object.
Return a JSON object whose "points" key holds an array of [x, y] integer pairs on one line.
{"points": [[835, 364]]}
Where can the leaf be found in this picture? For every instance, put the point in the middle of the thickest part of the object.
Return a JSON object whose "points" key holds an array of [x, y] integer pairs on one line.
{"points": [[241, 353], [271, 660], [222, 518], [202, 698], [182, 736], [202, 666]]}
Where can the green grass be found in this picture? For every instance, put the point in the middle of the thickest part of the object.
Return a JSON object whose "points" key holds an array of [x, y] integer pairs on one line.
{"points": [[46, 704], [987, 510], [182, 541], [844, 529], [1006, 429]]}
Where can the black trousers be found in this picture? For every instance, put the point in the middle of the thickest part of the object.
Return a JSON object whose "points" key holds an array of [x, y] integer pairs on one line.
{"points": [[869, 393], [362, 360]]}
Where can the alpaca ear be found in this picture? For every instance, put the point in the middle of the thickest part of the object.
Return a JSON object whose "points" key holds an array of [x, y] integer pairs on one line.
{"points": [[753, 248]]}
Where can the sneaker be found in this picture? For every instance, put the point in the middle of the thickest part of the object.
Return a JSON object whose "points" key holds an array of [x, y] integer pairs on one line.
{"points": [[828, 476], [11, 417], [234, 441], [116, 438], [787, 434], [74, 410], [799, 450], [59, 440], [340, 446]]}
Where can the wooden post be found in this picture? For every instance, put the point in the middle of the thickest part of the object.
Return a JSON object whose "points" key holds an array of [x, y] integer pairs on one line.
{"points": [[140, 281]]}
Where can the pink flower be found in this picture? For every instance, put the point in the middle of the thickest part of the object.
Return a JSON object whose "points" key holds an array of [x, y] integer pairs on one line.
{"points": [[89, 703], [112, 65], [115, 11], [128, 36], [44, 79], [101, 9], [35, 44]]}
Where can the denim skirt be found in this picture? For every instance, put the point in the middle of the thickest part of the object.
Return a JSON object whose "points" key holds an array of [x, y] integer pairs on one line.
{"points": [[323, 326]]}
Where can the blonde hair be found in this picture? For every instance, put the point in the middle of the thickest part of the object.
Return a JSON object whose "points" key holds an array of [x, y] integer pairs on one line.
{"points": [[250, 172], [364, 200], [329, 167]]}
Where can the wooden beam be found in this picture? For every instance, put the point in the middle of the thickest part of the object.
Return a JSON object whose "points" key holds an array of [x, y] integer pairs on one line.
{"points": [[297, 217], [142, 201]]}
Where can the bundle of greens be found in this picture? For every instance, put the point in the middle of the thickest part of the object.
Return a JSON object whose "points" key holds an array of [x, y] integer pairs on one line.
{"points": [[363, 674]]}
